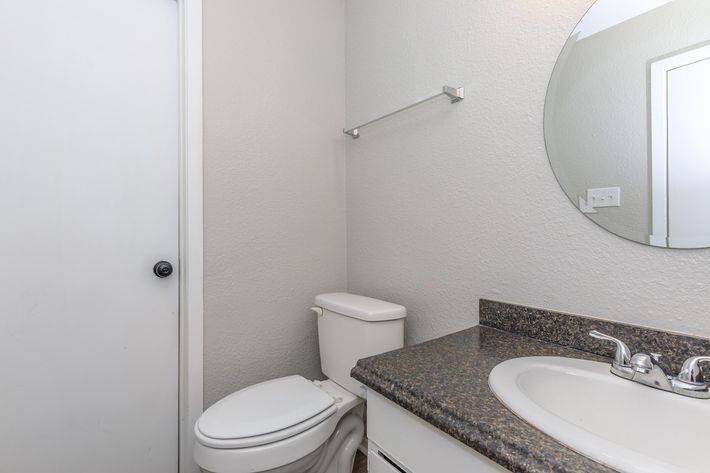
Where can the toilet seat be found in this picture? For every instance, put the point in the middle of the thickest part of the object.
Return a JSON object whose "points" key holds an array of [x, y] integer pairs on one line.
{"points": [[218, 456], [265, 413]]}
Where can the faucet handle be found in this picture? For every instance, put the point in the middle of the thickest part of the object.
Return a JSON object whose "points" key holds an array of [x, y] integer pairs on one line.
{"points": [[622, 358], [690, 372]]}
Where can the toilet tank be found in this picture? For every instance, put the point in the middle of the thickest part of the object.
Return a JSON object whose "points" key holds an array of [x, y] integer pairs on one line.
{"points": [[352, 327]]}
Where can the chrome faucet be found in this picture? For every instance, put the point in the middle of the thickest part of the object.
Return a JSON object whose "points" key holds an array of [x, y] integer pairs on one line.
{"points": [[644, 368]]}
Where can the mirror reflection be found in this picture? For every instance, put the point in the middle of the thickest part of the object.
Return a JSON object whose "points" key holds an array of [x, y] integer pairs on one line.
{"points": [[627, 120]]}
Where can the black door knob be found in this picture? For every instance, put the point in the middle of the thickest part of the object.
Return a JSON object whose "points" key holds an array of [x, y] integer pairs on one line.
{"points": [[163, 269]]}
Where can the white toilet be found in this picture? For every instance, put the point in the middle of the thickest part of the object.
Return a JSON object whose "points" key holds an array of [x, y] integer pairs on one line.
{"points": [[292, 425]]}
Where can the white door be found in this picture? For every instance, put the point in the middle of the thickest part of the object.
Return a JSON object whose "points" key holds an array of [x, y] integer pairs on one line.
{"points": [[88, 204], [689, 155]]}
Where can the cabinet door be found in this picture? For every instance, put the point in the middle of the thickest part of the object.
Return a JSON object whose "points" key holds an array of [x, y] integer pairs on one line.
{"points": [[376, 463], [424, 448]]}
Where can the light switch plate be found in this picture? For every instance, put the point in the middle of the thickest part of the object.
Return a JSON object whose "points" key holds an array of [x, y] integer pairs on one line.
{"points": [[604, 197]]}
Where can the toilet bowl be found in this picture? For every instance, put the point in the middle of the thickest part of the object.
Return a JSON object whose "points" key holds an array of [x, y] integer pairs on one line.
{"points": [[291, 424], [283, 425]]}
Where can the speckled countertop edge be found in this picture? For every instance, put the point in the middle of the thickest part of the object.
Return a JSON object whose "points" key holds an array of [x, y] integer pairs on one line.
{"points": [[445, 382]]}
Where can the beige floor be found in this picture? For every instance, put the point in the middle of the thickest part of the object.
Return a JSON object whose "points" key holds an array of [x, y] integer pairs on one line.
{"points": [[360, 463]]}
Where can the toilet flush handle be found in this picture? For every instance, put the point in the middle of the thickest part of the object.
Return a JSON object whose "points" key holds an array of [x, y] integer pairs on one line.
{"points": [[318, 311]]}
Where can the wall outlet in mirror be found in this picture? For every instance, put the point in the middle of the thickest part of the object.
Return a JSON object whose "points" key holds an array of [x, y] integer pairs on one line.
{"points": [[599, 198]]}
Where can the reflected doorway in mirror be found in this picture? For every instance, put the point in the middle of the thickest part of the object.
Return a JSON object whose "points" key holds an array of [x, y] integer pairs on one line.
{"points": [[680, 149]]}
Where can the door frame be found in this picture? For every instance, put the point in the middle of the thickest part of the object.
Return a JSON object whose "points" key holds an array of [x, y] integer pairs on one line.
{"points": [[190, 375], [659, 70]]}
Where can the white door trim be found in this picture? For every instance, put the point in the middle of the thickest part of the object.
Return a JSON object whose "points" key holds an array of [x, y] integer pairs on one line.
{"points": [[659, 138], [191, 227]]}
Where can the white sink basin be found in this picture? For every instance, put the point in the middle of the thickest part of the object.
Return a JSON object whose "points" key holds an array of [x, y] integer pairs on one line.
{"points": [[624, 425]]}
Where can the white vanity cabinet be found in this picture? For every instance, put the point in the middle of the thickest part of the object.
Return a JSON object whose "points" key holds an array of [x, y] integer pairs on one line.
{"points": [[400, 442]]}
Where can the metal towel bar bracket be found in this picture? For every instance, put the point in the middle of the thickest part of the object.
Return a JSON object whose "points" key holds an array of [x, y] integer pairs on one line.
{"points": [[455, 94]]}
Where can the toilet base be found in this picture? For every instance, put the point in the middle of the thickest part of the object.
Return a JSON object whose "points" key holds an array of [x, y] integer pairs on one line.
{"points": [[340, 450]]}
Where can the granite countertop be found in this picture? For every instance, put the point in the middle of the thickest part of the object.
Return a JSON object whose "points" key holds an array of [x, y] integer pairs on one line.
{"points": [[445, 382]]}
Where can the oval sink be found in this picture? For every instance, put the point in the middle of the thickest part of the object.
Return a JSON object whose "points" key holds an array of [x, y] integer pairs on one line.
{"points": [[623, 425]]}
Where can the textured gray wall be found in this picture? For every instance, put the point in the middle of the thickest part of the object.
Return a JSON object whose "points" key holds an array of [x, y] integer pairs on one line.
{"points": [[447, 204], [274, 185]]}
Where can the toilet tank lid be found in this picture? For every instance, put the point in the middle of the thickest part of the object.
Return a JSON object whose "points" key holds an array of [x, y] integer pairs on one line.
{"points": [[360, 307]]}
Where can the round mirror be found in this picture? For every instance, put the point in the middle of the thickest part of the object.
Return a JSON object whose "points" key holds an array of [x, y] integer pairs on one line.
{"points": [[627, 120]]}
